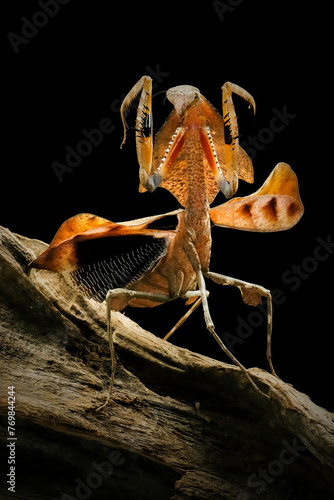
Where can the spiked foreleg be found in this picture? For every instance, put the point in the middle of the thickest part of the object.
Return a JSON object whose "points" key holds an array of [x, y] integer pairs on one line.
{"points": [[232, 135], [212, 159], [144, 126]]}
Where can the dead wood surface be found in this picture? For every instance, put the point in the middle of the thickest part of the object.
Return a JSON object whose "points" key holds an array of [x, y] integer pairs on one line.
{"points": [[184, 426]]}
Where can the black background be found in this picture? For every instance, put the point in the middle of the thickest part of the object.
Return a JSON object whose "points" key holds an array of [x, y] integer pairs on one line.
{"points": [[74, 72]]}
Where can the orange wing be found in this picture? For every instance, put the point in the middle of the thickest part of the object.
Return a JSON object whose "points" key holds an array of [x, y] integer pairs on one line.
{"points": [[99, 255], [276, 206]]}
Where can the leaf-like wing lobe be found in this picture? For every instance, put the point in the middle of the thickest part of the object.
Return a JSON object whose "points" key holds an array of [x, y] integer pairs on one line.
{"points": [[99, 255], [276, 206]]}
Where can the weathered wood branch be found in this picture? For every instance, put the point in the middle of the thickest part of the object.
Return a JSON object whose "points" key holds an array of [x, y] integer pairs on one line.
{"points": [[185, 426]]}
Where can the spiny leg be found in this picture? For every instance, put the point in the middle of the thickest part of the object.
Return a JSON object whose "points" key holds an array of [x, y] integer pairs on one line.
{"points": [[251, 295], [144, 127], [171, 153], [212, 159], [144, 136], [232, 135], [229, 114]]}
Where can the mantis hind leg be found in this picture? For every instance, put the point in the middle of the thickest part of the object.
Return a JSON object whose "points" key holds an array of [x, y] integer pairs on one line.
{"points": [[196, 264], [210, 326], [184, 318]]}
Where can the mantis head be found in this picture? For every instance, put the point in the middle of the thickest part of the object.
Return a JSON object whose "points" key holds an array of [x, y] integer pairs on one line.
{"points": [[182, 96]]}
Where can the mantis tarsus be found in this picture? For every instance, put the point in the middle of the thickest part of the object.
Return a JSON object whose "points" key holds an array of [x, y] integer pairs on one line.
{"points": [[196, 154]]}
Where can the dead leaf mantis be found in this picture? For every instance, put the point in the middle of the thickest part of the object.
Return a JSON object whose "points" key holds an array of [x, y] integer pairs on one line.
{"points": [[196, 154]]}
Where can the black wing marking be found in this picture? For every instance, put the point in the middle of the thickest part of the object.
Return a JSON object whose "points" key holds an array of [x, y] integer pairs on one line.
{"points": [[108, 263]]}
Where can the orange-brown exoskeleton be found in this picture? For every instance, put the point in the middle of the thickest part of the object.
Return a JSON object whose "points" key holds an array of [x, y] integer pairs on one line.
{"points": [[196, 154]]}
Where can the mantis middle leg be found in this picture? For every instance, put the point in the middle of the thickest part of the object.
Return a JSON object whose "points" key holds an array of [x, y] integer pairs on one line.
{"points": [[131, 294]]}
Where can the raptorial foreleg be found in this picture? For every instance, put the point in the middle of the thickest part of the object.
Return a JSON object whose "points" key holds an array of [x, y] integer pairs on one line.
{"points": [[232, 136], [144, 127]]}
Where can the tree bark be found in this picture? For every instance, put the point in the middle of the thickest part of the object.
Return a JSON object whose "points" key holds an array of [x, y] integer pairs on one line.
{"points": [[181, 425]]}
